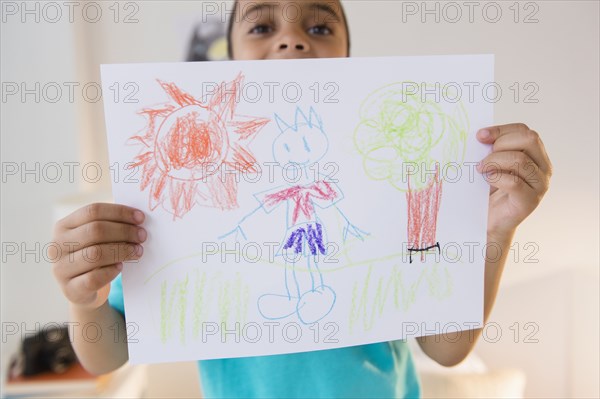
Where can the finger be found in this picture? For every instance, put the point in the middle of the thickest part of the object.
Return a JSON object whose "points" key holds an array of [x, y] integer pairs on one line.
{"points": [[102, 232], [100, 211], [95, 256], [83, 288], [515, 187], [527, 141], [492, 133], [516, 163]]}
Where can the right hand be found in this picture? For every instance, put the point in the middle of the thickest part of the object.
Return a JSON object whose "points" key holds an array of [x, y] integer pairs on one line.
{"points": [[95, 241]]}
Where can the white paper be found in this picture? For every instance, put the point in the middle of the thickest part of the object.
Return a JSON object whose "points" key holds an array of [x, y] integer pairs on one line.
{"points": [[309, 248]]}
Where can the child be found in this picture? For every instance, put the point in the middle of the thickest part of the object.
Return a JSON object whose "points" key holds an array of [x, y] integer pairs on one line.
{"points": [[260, 30]]}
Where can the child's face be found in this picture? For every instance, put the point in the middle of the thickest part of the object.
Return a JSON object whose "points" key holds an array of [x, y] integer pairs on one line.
{"points": [[288, 29], [303, 147]]}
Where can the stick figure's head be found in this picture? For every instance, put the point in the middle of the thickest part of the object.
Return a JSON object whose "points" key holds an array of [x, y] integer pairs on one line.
{"points": [[303, 143]]}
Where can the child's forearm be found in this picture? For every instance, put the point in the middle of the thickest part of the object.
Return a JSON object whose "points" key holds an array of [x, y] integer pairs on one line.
{"points": [[99, 338], [514, 193], [447, 350]]}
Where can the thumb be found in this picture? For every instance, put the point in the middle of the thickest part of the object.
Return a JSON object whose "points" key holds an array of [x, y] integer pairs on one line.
{"points": [[101, 296]]}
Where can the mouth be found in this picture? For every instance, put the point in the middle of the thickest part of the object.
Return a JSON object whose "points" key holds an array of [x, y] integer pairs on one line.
{"points": [[299, 163]]}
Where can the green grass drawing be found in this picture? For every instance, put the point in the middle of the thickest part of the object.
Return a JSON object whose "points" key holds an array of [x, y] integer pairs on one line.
{"points": [[232, 297], [370, 298]]}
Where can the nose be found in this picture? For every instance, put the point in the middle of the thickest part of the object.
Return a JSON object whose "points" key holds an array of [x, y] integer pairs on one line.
{"points": [[297, 46], [292, 44]]}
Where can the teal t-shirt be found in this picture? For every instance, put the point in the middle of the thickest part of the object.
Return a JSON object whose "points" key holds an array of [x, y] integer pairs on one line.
{"points": [[381, 370]]}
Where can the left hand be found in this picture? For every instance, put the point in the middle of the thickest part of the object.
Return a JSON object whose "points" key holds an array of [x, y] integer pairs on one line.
{"points": [[518, 171]]}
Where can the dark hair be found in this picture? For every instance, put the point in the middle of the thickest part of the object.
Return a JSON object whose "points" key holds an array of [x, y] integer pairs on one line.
{"points": [[232, 18]]}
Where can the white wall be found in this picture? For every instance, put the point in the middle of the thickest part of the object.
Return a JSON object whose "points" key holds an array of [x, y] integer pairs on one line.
{"points": [[33, 132], [549, 327], [559, 54]]}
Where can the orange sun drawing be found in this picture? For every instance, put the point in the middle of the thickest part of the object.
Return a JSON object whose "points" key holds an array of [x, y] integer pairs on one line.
{"points": [[187, 145]]}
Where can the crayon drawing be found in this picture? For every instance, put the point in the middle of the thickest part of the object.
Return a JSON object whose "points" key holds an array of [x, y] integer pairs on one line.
{"points": [[403, 138], [373, 295], [194, 293], [281, 222], [186, 143], [301, 145]]}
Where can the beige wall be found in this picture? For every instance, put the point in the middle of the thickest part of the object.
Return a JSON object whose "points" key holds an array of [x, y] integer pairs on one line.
{"points": [[558, 55]]}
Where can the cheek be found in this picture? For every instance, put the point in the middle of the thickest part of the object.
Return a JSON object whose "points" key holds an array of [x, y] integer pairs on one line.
{"points": [[318, 146], [249, 50], [280, 154], [329, 50]]}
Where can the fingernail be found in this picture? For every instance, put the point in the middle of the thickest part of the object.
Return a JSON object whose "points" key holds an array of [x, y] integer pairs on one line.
{"points": [[139, 250], [483, 133], [490, 177], [138, 216], [142, 235]]}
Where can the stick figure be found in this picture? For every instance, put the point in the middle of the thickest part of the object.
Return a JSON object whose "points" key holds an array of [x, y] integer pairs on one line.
{"points": [[301, 145]]}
